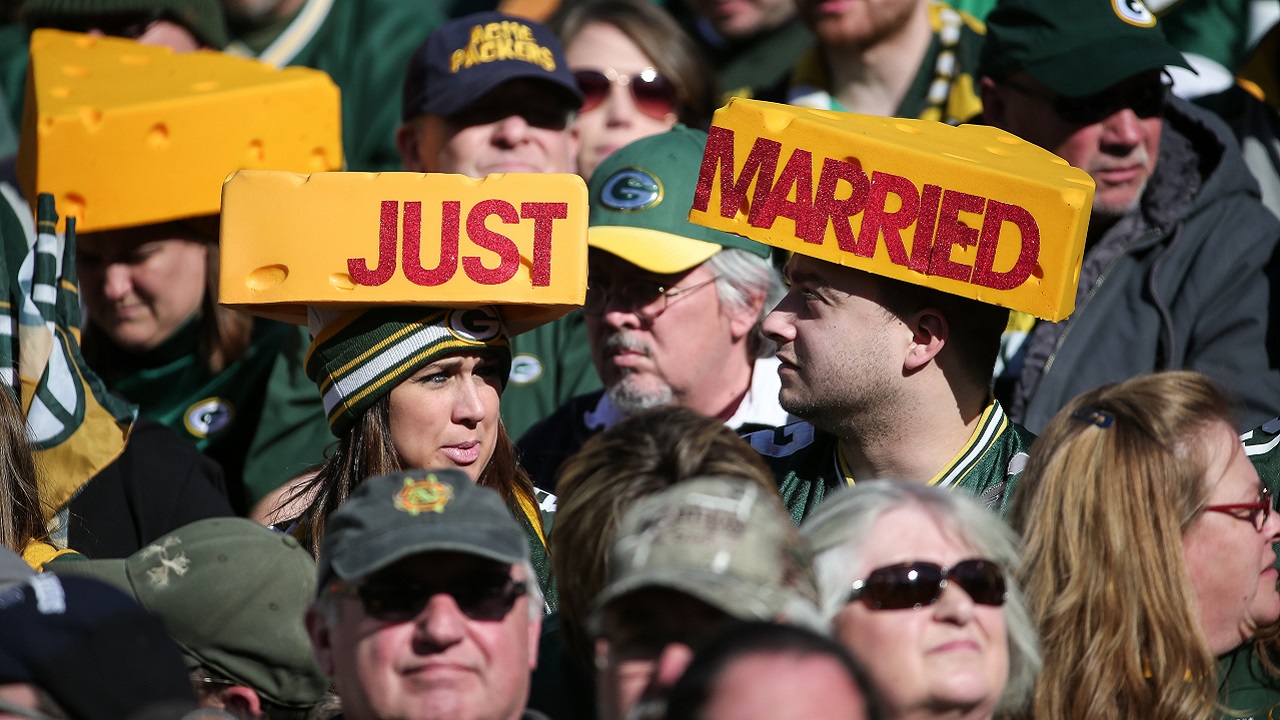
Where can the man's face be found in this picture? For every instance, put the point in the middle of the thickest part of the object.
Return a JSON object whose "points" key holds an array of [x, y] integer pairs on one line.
{"points": [[784, 686], [516, 127], [743, 19], [1119, 149], [841, 351], [647, 355], [647, 640], [439, 664], [856, 23]]}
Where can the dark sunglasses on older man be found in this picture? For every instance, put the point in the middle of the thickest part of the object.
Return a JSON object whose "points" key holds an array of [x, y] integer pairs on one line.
{"points": [[479, 597], [652, 92], [916, 584], [1256, 513], [1146, 100]]}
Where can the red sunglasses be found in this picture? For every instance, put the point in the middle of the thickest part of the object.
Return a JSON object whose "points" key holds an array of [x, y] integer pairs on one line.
{"points": [[652, 92]]}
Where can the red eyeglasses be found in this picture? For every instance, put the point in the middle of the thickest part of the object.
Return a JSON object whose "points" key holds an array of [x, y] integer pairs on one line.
{"points": [[1255, 512], [652, 92]]}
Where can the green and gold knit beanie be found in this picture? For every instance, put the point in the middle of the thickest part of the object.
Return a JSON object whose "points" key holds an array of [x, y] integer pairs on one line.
{"points": [[357, 357]]}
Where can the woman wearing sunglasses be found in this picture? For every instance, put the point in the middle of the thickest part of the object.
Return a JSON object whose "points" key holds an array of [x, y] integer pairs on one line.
{"points": [[639, 73], [1147, 549], [918, 583]]}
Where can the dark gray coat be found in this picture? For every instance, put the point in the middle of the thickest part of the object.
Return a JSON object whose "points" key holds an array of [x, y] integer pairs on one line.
{"points": [[1184, 282]]}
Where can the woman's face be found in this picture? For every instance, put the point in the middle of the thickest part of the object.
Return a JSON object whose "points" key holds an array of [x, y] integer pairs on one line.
{"points": [[949, 656], [446, 414], [617, 120], [1230, 562], [140, 285]]}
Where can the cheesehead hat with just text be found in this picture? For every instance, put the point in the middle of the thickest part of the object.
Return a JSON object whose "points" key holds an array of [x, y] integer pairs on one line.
{"points": [[393, 270], [640, 198], [970, 210], [124, 134]]}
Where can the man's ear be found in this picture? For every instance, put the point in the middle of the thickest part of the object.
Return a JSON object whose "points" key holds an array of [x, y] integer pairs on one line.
{"points": [[744, 320], [535, 634], [993, 107], [407, 144], [929, 333], [321, 638], [241, 701], [575, 143]]}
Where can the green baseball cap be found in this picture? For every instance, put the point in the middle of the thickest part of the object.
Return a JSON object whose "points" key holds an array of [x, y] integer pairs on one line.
{"points": [[640, 200], [1074, 48], [392, 517], [232, 594], [722, 540]]}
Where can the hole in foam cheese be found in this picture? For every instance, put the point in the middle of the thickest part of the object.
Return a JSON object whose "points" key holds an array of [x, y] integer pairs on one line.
{"points": [[969, 210], [356, 240], [140, 134]]}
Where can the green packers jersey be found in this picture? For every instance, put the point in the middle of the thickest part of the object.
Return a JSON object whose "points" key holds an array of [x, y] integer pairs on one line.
{"points": [[1245, 690], [944, 88], [807, 462], [1260, 445]]}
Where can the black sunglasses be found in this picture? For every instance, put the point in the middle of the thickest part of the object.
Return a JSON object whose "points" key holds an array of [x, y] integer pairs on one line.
{"points": [[916, 584], [481, 597], [1146, 100]]}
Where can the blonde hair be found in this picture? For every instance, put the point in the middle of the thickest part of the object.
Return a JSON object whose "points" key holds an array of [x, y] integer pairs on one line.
{"points": [[1114, 481]]}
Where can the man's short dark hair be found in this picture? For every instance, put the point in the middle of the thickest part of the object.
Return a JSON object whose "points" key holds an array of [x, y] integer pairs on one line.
{"points": [[975, 327], [691, 693], [208, 682]]}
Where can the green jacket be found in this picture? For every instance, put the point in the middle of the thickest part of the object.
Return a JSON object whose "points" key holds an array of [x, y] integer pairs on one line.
{"points": [[261, 418]]}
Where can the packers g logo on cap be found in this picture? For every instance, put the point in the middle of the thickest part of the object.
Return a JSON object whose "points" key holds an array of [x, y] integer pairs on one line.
{"points": [[425, 495], [631, 189], [475, 325], [1134, 13]]}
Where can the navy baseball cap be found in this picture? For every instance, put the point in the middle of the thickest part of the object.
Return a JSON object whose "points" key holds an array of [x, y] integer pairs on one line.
{"points": [[98, 653], [466, 58]]}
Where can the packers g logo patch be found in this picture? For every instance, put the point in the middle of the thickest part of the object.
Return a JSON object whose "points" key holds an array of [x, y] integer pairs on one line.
{"points": [[478, 325], [525, 369], [208, 417], [1134, 13], [425, 495], [631, 189]]}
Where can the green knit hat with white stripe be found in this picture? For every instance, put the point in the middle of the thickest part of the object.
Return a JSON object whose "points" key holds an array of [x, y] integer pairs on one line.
{"points": [[357, 357]]}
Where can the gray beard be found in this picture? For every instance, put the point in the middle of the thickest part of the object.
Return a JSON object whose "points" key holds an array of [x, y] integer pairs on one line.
{"points": [[629, 398]]}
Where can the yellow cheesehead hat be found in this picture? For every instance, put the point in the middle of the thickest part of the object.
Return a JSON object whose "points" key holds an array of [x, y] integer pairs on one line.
{"points": [[969, 210], [124, 134], [394, 270], [335, 242]]}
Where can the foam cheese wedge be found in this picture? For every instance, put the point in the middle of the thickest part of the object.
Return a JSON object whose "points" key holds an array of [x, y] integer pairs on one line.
{"points": [[124, 134], [970, 210], [345, 241]]}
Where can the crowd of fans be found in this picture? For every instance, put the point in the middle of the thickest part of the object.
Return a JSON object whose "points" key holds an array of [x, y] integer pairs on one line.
{"points": [[733, 484]]}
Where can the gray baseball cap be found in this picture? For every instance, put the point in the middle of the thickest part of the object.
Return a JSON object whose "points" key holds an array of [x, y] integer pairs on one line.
{"points": [[232, 593], [392, 517], [13, 569], [722, 540]]}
